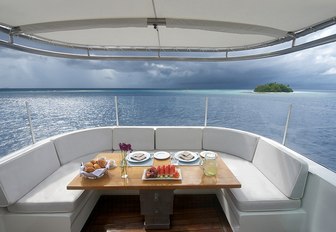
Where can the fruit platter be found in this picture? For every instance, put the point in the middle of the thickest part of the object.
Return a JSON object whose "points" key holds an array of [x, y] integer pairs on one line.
{"points": [[95, 168], [162, 172]]}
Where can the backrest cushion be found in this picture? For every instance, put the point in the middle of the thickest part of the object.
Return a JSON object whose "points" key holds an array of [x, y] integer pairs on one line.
{"points": [[230, 141], [178, 138], [141, 138], [79, 143], [25, 169], [282, 167]]}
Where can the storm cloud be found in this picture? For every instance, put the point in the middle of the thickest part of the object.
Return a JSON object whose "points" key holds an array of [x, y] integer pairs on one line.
{"points": [[309, 69]]}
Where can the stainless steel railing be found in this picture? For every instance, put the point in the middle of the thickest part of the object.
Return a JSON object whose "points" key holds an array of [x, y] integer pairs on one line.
{"points": [[206, 112], [30, 122], [117, 118], [116, 110], [286, 126]]}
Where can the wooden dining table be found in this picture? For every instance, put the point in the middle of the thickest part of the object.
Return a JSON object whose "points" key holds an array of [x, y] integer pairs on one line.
{"points": [[156, 196]]}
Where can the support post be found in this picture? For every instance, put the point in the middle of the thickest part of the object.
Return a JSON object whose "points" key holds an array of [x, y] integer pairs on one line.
{"points": [[30, 123], [286, 126], [206, 112], [116, 109]]}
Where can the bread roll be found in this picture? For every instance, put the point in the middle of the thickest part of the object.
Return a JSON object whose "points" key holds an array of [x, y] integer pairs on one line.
{"points": [[96, 166], [89, 169], [88, 164], [101, 163]]}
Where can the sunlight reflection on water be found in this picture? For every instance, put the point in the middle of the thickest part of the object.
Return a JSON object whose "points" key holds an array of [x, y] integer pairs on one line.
{"points": [[311, 128]]}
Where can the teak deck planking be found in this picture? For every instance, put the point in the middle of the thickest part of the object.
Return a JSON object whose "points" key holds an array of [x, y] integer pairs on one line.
{"points": [[201, 213]]}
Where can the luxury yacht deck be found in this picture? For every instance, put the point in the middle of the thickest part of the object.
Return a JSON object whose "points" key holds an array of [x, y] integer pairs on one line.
{"points": [[191, 213]]}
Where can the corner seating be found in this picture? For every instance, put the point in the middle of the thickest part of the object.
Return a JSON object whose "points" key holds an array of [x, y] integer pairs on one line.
{"points": [[33, 182], [272, 177]]}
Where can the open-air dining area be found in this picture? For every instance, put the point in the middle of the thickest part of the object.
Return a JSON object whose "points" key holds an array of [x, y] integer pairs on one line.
{"points": [[238, 180], [157, 193]]}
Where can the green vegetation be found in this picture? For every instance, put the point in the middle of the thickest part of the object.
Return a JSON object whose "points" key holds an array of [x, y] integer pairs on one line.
{"points": [[273, 87]]}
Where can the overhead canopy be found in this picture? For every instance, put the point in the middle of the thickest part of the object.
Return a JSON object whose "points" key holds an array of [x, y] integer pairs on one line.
{"points": [[159, 25]]}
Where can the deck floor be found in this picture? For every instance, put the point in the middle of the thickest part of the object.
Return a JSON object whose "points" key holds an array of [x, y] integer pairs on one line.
{"points": [[201, 213]]}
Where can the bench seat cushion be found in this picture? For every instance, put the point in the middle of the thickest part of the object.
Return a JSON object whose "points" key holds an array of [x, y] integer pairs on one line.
{"points": [[141, 138], [257, 192], [51, 195], [282, 167], [178, 138], [230, 141], [23, 170], [75, 144]]}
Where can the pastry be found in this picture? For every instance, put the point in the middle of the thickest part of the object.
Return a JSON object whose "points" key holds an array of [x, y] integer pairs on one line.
{"points": [[96, 166], [89, 169], [88, 164], [101, 163]]}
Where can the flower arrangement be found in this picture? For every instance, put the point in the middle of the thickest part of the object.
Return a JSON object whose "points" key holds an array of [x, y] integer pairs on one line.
{"points": [[124, 148]]}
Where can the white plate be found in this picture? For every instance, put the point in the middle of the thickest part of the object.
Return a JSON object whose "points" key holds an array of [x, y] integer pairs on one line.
{"points": [[129, 156], [203, 153], [162, 178], [177, 156], [161, 155]]}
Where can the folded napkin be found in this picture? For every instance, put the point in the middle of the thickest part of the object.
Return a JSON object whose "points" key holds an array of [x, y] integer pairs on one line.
{"points": [[138, 156], [186, 156], [99, 172]]}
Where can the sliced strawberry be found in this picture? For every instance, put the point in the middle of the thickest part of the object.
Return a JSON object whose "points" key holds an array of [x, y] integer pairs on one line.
{"points": [[148, 173], [176, 174]]}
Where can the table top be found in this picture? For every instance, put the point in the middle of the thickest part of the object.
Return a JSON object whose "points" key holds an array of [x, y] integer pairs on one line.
{"points": [[192, 177]]}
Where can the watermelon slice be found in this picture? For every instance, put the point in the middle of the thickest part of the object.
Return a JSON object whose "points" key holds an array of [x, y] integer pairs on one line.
{"points": [[167, 171], [159, 170]]}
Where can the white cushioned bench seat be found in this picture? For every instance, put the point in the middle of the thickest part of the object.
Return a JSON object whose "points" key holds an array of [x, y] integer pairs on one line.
{"points": [[51, 195], [272, 176], [273, 181], [21, 172], [33, 182], [282, 167], [257, 192]]}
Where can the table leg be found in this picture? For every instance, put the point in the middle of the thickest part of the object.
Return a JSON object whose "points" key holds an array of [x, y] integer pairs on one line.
{"points": [[157, 206]]}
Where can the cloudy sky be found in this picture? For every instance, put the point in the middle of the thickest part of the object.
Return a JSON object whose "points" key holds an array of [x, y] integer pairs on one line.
{"points": [[310, 69]]}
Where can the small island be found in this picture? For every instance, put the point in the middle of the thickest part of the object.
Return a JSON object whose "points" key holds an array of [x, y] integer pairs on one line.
{"points": [[273, 87]]}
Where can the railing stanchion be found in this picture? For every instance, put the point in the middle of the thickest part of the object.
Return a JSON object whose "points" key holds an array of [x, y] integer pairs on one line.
{"points": [[116, 109], [206, 112], [30, 123], [286, 126]]}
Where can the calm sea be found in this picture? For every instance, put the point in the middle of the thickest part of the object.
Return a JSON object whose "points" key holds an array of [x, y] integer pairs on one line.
{"points": [[311, 132]]}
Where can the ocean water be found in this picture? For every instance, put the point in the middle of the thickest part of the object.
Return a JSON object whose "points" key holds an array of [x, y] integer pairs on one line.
{"points": [[311, 131]]}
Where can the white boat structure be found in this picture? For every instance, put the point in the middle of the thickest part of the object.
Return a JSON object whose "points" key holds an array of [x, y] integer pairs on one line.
{"points": [[281, 189]]}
